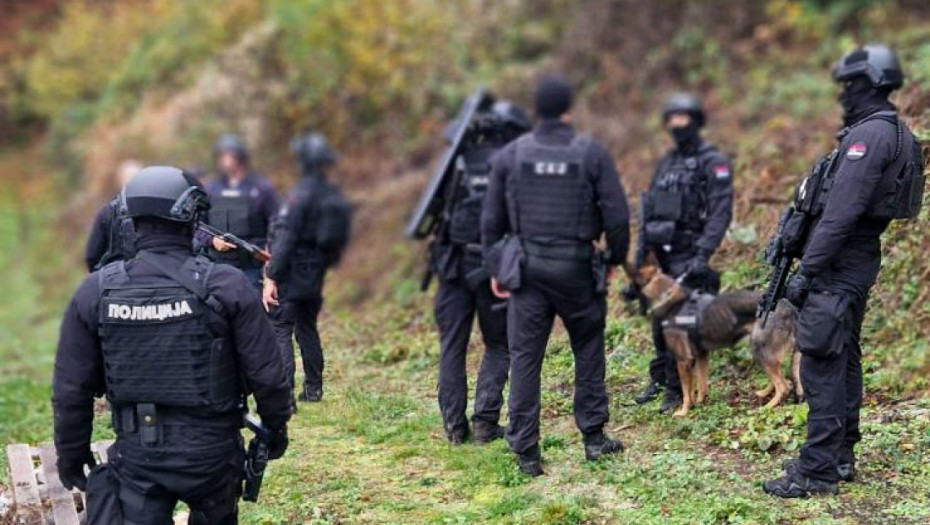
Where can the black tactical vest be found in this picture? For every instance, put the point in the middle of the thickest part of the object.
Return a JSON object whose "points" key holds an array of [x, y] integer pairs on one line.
{"points": [[157, 344], [550, 196], [899, 194], [677, 201], [465, 219], [230, 211], [680, 192]]}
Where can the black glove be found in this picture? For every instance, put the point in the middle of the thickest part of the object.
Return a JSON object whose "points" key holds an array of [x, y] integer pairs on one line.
{"points": [[698, 264], [630, 293], [71, 471], [277, 443], [799, 286]]}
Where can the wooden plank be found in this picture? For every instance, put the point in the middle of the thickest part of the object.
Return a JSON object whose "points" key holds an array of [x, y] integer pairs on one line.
{"points": [[26, 498], [62, 500]]}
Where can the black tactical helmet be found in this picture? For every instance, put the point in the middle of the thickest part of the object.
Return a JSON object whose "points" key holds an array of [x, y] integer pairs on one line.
{"points": [[684, 103], [875, 61], [510, 114], [313, 151], [231, 143], [164, 192]]}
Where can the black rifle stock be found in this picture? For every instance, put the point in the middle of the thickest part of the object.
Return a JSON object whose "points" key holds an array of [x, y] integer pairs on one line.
{"points": [[241, 244]]}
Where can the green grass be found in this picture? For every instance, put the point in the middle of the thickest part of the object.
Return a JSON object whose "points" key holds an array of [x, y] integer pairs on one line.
{"points": [[373, 452]]}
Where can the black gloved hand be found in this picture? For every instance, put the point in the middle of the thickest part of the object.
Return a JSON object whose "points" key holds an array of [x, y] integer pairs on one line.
{"points": [[277, 443], [71, 471], [799, 286], [630, 293], [698, 264]]}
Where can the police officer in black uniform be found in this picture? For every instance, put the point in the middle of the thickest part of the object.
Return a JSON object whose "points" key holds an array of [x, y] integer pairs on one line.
{"points": [[552, 194], [874, 175], [293, 289], [685, 215], [464, 291], [243, 203], [174, 342], [112, 237]]}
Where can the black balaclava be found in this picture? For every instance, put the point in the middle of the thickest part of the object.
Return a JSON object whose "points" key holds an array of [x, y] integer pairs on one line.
{"points": [[687, 138], [153, 231], [859, 100], [553, 97]]}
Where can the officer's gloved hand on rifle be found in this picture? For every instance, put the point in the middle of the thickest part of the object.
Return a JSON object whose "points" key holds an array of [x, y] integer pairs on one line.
{"points": [[799, 287], [277, 442], [71, 471], [699, 263]]}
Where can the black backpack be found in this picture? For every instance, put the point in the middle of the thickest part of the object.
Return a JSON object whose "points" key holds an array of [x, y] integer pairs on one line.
{"points": [[334, 224]]}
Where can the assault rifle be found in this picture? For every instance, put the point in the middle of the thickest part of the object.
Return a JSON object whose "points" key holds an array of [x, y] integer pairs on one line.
{"points": [[240, 244], [781, 254], [256, 460]]}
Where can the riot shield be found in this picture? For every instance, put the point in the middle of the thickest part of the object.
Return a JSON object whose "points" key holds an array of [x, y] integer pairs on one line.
{"points": [[428, 214]]}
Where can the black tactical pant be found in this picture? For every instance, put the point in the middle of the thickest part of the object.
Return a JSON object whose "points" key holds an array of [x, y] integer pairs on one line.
{"points": [[662, 368], [298, 317], [145, 487], [456, 307], [833, 389], [565, 288]]}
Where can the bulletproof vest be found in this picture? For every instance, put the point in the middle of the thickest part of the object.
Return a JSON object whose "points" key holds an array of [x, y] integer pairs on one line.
{"points": [[474, 172], [121, 237], [230, 211], [157, 344], [549, 196], [679, 192], [899, 193]]}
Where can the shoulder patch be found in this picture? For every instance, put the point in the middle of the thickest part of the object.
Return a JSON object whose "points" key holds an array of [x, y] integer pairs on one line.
{"points": [[721, 171], [856, 151]]}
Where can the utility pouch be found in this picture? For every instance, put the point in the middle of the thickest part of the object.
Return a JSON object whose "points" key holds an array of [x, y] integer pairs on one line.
{"points": [[659, 233], [665, 206], [505, 262], [821, 325], [445, 261], [149, 425], [103, 506]]}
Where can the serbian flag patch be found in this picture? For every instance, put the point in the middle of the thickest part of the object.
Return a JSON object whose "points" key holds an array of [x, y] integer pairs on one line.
{"points": [[856, 151], [722, 171]]}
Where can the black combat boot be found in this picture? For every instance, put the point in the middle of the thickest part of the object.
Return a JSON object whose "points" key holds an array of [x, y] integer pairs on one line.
{"points": [[530, 462], [649, 393], [597, 445], [457, 434], [311, 394], [796, 485], [846, 471], [487, 432], [671, 402]]}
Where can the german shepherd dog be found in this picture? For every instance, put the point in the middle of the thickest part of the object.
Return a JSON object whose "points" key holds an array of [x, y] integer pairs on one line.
{"points": [[724, 321], [773, 344]]}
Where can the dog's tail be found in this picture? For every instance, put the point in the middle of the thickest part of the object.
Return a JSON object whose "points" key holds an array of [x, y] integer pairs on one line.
{"points": [[742, 303]]}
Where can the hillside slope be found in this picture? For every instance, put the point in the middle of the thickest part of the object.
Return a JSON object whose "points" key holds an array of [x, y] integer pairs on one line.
{"points": [[381, 77]]}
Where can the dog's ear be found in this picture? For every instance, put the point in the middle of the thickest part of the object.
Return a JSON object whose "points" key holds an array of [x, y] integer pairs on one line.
{"points": [[651, 259]]}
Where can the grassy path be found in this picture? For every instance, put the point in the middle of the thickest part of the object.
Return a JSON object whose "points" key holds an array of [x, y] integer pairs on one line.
{"points": [[373, 452]]}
